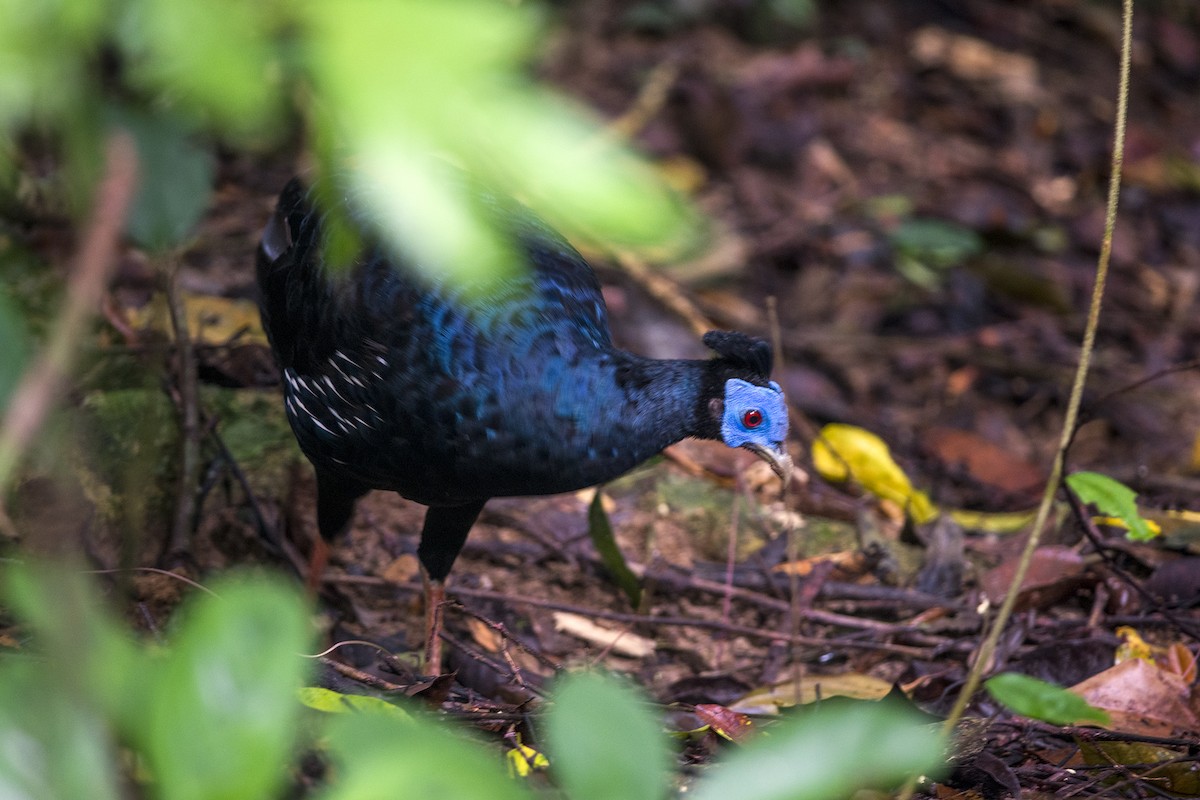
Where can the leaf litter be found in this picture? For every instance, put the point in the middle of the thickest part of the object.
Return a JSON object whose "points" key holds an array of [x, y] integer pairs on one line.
{"points": [[921, 193]]}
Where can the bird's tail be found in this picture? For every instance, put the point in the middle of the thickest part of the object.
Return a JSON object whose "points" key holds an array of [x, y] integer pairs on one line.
{"points": [[285, 254]]}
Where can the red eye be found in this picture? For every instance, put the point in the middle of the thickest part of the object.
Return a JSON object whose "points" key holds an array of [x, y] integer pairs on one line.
{"points": [[752, 418]]}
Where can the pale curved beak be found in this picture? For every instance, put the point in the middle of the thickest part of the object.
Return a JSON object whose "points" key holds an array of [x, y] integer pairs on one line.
{"points": [[777, 459]]}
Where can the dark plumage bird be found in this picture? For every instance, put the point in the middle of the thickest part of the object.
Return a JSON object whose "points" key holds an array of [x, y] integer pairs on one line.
{"points": [[393, 380]]}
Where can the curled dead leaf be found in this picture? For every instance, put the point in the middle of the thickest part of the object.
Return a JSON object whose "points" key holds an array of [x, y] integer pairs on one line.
{"points": [[619, 642], [1142, 698]]}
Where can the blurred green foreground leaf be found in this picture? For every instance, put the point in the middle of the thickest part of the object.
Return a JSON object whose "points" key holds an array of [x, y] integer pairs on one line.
{"points": [[388, 93]]}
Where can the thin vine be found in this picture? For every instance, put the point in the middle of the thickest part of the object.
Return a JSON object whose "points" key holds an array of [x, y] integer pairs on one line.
{"points": [[988, 648]]}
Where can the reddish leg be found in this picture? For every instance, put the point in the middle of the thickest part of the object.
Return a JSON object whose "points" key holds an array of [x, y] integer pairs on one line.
{"points": [[435, 596], [316, 566], [443, 535]]}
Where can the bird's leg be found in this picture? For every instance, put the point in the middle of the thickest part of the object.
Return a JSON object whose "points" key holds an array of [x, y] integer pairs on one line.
{"points": [[317, 561], [435, 596], [442, 537], [335, 508]]}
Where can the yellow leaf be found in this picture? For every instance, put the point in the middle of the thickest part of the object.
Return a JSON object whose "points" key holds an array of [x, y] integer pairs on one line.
{"points": [[845, 452], [523, 760], [992, 522], [1132, 646], [1117, 522], [211, 320]]}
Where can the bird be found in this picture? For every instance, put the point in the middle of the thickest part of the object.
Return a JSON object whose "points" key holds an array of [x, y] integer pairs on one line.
{"points": [[398, 379]]}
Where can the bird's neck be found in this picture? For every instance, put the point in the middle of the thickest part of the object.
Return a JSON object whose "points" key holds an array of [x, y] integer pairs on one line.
{"points": [[666, 400]]}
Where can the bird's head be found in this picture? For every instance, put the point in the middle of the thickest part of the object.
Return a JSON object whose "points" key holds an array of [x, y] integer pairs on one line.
{"points": [[745, 405]]}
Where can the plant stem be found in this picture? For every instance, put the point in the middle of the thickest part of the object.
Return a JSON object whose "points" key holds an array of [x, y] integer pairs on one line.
{"points": [[189, 415], [42, 385], [988, 648]]}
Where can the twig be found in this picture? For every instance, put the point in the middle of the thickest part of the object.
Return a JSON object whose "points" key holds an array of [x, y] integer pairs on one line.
{"points": [[1097, 541], [678, 579], [156, 571], [665, 291], [730, 559], [502, 630], [763, 601], [365, 678], [792, 541], [270, 534], [649, 101], [508, 670], [189, 416], [616, 616], [1186, 366], [42, 383], [1099, 735]]}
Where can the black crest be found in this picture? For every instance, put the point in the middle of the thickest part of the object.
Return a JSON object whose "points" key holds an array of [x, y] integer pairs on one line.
{"points": [[743, 350]]}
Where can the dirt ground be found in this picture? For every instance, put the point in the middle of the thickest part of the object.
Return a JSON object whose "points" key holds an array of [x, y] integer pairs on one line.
{"points": [[919, 190]]}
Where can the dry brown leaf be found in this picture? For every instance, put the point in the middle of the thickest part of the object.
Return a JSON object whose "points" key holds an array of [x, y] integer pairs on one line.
{"points": [[1181, 661], [485, 637], [725, 722], [1142, 699], [1014, 75], [620, 642], [1054, 573], [769, 699], [984, 460], [402, 569], [847, 565]]}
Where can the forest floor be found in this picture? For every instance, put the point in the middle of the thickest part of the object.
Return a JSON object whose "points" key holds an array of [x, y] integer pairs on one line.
{"points": [[920, 188]]}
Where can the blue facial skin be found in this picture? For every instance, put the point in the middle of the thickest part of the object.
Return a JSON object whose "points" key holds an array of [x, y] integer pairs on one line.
{"points": [[742, 398]]}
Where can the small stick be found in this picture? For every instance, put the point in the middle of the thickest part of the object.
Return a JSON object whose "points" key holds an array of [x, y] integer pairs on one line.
{"points": [[649, 101], [665, 291], [365, 678], [730, 559], [189, 415]]}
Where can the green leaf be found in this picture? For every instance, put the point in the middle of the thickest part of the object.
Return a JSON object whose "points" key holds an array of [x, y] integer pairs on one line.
{"points": [[89, 657], [331, 702], [825, 754], [379, 756], [1037, 699], [44, 47], [601, 532], [215, 61], [55, 711], [222, 716], [54, 747], [473, 105], [174, 179], [935, 242], [605, 742], [1112, 498], [926, 248]]}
